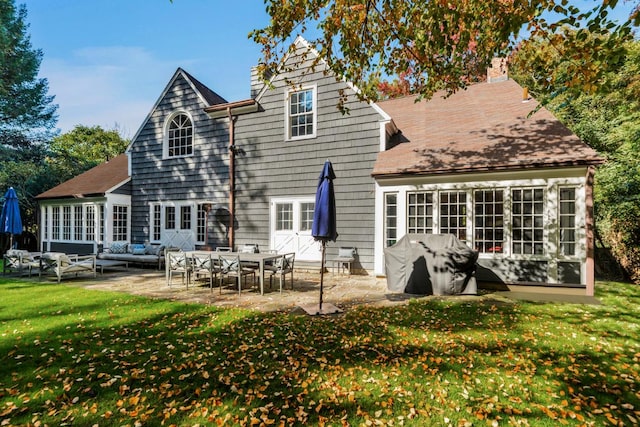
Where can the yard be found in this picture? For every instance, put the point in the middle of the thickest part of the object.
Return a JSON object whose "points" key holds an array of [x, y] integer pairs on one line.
{"points": [[74, 356]]}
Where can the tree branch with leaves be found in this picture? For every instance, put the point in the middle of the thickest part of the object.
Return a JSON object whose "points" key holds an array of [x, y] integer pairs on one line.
{"points": [[445, 43]]}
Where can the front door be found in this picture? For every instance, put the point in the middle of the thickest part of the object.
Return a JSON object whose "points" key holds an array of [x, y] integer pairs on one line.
{"points": [[291, 221]]}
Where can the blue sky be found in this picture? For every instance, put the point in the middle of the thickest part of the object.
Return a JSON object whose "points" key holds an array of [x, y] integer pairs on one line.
{"points": [[107, 61]]}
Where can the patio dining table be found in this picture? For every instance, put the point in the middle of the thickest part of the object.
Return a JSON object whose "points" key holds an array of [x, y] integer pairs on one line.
{"points": [[257, 258]]}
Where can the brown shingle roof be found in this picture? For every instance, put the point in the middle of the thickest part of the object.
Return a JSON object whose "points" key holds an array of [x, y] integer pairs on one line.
{"points": [[482, 128], [95, 181]]}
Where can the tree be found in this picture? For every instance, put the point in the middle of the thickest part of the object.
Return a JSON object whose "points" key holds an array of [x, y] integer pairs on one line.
{"points": [[83, 148], [609, 121], [27, 114], [446, 43]]}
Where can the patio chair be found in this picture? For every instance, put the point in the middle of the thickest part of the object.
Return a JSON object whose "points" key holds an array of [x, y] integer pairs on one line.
{"points": [[18, 260], [204, 264], [346, 256], [60, 264], [177, 262], [224, 249], [230, 266], [281, 267]]}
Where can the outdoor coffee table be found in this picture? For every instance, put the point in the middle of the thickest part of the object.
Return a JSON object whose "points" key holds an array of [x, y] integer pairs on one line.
{"points": [[110, 263]]}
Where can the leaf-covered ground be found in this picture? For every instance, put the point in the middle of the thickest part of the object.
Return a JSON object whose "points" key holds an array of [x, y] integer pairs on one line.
{"points": [[71, 356]]}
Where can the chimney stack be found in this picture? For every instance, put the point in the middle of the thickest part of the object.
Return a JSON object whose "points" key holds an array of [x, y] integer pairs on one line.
{"points": [[498, 71]]}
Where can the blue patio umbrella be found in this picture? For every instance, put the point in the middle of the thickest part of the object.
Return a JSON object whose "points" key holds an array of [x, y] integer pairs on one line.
{"points": [[10, 221], [324, 215]]}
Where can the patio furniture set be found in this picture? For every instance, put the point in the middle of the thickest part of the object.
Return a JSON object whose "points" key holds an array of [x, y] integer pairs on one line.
{"points": [[215, 266], [48, 263], [223, 263]]}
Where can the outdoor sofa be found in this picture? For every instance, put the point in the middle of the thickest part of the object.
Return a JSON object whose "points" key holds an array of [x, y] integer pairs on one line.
{"points": [[137, 253], [61, 264], [21, 261]]}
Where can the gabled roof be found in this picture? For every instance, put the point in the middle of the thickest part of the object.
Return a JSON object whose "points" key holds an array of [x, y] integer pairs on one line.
{"points": [[207, 96], [482, 128], [311, 53], [95, 182], [210, 96]]}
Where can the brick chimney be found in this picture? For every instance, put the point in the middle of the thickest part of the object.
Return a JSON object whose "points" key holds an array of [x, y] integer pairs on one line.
{"points": [[498, 71]]}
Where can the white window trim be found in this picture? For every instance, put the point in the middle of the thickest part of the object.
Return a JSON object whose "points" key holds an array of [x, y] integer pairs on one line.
{"points": [[128, 222], [287, 127], [177, 205], [165, 135], [48, 225]]}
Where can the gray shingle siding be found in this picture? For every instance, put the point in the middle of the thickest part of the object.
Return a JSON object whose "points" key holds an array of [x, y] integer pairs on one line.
{"points": [[276, 167], [267, 166], [155, 179]]}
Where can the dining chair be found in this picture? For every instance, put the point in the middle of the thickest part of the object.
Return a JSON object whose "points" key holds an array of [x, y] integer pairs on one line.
{"points": [[178, 262], [281, 267], [204, 264], [230, 266], [224, 249]]}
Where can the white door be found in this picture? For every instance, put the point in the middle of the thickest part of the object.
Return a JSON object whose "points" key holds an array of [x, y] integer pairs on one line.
{"points": [[291, 222], [177, 231]]}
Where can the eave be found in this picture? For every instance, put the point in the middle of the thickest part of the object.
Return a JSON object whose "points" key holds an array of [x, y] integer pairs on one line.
{"points": [[235, 108]]}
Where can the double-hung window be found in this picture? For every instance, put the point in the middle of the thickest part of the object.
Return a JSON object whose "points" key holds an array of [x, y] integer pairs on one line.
{"points": [[301, 113]]}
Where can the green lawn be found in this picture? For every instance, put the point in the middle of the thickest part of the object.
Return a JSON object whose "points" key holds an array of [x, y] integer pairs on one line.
{"points": [[71, 356]]}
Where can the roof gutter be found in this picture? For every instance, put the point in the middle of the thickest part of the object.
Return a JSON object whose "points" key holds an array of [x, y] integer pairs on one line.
{"points": [[236, 108]]}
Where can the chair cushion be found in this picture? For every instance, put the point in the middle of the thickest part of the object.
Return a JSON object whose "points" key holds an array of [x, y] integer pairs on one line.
{"points": [[150, 249], [136, 248], [119, 247], [138, 251]]}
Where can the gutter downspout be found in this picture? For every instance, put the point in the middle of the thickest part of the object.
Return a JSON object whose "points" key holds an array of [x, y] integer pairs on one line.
{"points": [[232, 179], [590, 233]]}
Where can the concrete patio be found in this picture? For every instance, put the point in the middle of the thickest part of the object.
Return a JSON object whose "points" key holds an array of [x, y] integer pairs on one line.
{"points": [[344, 291]]}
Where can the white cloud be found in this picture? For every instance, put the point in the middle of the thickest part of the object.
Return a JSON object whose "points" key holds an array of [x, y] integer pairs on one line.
{"points": [[106, 86]]}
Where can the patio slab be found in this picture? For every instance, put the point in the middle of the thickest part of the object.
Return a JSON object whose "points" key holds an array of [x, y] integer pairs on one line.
{"points": [[342, 291]]}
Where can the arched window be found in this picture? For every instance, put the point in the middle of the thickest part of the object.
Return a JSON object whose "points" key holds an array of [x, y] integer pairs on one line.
{"points": [[179, 136]]}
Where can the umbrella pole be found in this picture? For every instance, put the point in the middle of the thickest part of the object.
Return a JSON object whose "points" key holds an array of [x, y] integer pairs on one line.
{"points": [[322, 274]]}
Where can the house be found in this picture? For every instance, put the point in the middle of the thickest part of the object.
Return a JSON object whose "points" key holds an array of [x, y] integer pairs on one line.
{"points": [[205, 172], [73, 215]]}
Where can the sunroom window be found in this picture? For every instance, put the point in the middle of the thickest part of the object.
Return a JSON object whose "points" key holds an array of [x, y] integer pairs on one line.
{"points": [[488, 208], [567, 214], [527, 219]]}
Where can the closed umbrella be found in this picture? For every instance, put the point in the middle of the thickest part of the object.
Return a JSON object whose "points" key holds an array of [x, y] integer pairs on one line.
{"points": [[324, 226], [10, 221]]}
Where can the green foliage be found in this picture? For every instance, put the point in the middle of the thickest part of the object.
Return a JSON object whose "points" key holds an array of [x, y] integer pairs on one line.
{"points": [[79, 357], [83, 148], [446, 45], [607, 119], [27, 115]]}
